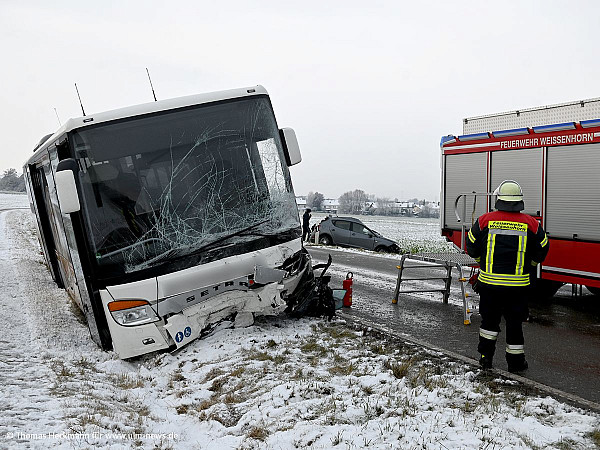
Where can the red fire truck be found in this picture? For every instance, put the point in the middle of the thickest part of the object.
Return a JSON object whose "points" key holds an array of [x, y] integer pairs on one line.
{"points": [[558, 167]]}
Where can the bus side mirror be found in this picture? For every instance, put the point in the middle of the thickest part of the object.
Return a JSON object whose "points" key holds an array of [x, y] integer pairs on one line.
{"points": [[66, 188], [290, 146]]}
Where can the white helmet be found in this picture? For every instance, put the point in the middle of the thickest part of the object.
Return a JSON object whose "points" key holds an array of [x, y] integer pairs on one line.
{"points": [[509, 191], [509, 196]]}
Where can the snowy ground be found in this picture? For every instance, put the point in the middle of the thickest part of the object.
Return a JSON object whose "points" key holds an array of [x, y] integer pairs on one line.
{"points": [[278, 384]]}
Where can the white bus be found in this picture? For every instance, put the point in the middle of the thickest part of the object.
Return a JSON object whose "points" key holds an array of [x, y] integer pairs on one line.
{"points": [[165, 218]]}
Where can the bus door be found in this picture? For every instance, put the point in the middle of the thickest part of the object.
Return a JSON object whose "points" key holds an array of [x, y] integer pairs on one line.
{"points": [[41, 195]]}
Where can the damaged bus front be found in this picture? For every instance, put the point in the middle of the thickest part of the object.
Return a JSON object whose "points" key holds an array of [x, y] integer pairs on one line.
{"points": [[166, 218]]}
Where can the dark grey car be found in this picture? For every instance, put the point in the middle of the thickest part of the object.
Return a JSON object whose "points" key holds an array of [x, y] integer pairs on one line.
{"points": [[351, 232]]}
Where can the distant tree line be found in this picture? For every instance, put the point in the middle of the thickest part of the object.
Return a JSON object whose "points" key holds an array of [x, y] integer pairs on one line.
{"points": [[10, 181], [359, 202], [314, 200], [353, 202]]}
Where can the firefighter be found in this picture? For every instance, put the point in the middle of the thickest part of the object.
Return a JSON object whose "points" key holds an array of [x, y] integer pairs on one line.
{"points": [[508, 245]]}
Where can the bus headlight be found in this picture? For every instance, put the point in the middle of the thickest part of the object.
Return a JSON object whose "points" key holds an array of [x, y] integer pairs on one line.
{"points": [[132, 312]]}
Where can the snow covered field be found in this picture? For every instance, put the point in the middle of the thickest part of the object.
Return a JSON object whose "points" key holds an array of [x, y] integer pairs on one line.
{"points": [[278, 384], [413, 234], [13, 200]]}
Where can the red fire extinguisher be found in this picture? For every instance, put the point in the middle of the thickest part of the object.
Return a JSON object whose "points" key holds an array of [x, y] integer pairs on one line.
{"points": [[347, 284]]}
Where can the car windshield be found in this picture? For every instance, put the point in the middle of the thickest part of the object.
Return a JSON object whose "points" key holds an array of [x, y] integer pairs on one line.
{"points": [[168, 184]]}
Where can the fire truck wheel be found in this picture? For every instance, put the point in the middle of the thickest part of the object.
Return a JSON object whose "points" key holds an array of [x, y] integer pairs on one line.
{"points": [[594, 290], [546, 289]]}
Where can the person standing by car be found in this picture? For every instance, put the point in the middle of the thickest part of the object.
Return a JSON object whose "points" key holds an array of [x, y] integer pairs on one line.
{"points": [[306, 225], [507, 244]]}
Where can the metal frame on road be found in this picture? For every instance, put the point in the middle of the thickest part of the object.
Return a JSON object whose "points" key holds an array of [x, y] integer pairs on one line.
{"points": [[446, 261]]}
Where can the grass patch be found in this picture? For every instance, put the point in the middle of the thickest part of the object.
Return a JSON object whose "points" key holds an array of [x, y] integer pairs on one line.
{"points": [[338, 332], [343, 369], [231, 398], [368, 390], [259, 356], [126, 381], [595, 437], [313, 347], [566, 444], [529, 442], [237, 372], [212, 374], [182, 409], [258, 433], [399, 370], [217, 384], [85, 363], [177, 376], [337, 439], [380, 349], [206, 404]]}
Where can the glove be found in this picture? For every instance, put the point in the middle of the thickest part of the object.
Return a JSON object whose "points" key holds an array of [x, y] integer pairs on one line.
{"points": [[474, 282]]}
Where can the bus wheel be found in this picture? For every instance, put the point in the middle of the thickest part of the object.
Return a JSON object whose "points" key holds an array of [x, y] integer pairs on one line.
{"points": [[594, 290]]}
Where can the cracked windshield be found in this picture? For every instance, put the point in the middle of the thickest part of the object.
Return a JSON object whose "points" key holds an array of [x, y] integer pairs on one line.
{"points": [[170, 184]]}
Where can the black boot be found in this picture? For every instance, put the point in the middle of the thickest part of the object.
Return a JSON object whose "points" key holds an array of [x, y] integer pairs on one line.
{"points": [[485, 362], [516, 363]]}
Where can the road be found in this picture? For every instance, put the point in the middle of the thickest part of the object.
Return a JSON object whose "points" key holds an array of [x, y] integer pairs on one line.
{"points": [[562, 342]]}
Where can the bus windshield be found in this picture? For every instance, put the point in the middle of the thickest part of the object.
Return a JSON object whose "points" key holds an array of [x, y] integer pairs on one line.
{"points": [[175, 182]]}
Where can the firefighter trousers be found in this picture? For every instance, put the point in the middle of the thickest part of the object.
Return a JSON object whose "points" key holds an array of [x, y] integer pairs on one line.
{"points": [[510, 302]]}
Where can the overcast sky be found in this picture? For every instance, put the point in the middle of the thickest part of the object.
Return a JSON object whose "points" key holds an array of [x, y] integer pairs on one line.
{"points": [[369, 86]]}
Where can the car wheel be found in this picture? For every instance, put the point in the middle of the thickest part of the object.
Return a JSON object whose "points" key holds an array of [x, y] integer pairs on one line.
{"points": [[381, 249], [325, 240]]}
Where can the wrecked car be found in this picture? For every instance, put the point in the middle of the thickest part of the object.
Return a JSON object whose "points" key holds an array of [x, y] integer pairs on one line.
{"points": [[351, 232], [165, 218]]}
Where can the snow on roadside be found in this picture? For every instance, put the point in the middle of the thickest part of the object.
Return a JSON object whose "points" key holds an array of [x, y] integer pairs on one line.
{"points": [[278, 384]]}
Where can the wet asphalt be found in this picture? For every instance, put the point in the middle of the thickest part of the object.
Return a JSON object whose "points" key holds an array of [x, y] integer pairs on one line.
{"points": [[562, 338]]}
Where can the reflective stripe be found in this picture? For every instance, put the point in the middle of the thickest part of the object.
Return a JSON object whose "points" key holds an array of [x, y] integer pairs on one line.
{"points": [[486, 334], [489, 259], [544, 241], [504, 276], [503, 279], [478, 259], [471, 237], [521, 255], [533, 263], [515, 349], [509, 232]]}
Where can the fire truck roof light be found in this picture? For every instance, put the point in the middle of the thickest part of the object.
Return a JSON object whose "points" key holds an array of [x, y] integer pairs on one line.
{"points": [[513, 132], [447, 140], [472, 137], [554, 127], [590, 123]]}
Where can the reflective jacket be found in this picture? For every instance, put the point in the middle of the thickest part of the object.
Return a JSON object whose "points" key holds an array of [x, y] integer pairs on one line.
{"points": [[507, 246]]}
